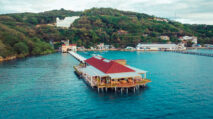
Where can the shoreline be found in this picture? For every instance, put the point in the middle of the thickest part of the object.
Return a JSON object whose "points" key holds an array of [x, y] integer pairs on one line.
{"points": [[187, 48], [7, 58], [15, 57]]}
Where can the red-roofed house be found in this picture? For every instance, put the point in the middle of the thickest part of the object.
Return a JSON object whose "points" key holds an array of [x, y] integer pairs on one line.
{"points": [[68, 47], [108, 66], [103, 73]]}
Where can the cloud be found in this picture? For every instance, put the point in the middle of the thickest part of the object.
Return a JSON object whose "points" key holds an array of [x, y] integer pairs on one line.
{"points": [[186, 11]]}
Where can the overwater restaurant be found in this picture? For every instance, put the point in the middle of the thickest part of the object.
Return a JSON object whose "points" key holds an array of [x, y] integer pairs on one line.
{"points": [[116, 74]]}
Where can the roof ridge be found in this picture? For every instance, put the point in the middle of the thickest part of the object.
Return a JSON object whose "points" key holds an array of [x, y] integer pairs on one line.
{"points": [[108, 67], [111, 64]]}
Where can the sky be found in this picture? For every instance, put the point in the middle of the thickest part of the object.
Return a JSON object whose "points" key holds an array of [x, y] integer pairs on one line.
{"points": [[185, 11]]}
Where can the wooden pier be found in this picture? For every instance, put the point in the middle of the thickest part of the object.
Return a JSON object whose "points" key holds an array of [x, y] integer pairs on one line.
{"points": [[192, 53], [98, 73], [77, 56]]}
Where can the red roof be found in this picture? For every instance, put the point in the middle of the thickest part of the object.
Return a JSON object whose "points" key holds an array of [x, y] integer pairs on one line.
{"points": [[107, 66]]}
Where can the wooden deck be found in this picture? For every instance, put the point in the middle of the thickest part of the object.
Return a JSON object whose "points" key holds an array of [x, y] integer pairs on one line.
{"points": [[126, 85]]}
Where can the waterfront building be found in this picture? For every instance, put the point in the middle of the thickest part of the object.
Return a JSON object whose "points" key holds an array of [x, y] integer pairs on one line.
{"points": [[129, 48], [82, 48], [156, 47], [67, 47], [92, 48], [99, 72], [185, 39], [70, 47], [106, 47], [100, 46]]}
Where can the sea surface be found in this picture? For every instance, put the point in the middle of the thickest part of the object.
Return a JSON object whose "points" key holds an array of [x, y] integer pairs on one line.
{"points": [[46, 87]]}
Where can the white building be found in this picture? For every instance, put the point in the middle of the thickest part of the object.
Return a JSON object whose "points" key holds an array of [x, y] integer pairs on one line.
{"points": [[129, 48], [66, 22], [101, 46], [68, 47], [82, 48], [156, 47], [186, 39], [106, 47]]}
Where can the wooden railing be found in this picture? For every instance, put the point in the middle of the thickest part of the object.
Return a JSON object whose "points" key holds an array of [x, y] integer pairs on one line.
{"points": [[127, 85]]}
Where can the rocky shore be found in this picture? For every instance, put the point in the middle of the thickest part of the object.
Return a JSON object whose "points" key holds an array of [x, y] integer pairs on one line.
{"points": [[7, 58]]}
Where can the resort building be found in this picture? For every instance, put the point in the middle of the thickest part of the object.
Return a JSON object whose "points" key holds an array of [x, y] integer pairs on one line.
{"points": [[114, 74], [157, 47], [68, 47], [185, 39], [129, 48], [82, 48], [100, 46]]}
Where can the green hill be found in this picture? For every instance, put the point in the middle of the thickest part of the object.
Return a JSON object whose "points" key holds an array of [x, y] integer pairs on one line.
{"points": [[19, 35], [24, 34], [104, 24]]}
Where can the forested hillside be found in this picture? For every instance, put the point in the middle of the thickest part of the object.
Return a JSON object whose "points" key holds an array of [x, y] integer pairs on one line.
{"points": [[24, 34], [104, 25], [19, 35]]}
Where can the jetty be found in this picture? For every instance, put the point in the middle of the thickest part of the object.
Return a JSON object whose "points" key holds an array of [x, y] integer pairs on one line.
{"points": [[77, 56], [103, 74], [191, 53], [115, 75]]}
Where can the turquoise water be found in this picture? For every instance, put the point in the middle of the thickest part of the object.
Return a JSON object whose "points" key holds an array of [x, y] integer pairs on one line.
{"points": [[208, 51], [46, 87]]}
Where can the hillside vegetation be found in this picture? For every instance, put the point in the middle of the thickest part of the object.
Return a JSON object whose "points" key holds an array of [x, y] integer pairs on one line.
{"points": [[24, 34], [103, 25], [19, 35]]}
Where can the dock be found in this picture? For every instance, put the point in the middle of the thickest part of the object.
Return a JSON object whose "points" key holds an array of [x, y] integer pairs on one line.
{"points": [[77, 56], [192, 53], [115, 75]]}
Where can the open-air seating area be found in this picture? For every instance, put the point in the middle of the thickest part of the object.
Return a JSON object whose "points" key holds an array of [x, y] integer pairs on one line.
{"points": [[123, 83]]}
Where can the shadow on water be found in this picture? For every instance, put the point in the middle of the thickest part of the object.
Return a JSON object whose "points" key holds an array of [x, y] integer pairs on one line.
{"points": [[118, 93]]}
